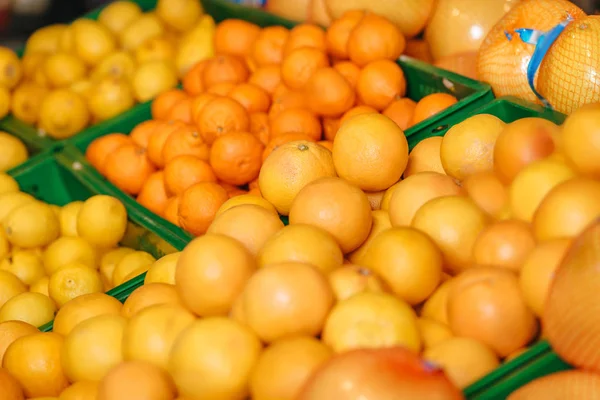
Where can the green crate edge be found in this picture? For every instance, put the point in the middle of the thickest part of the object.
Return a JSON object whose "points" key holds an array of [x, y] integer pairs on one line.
{"points": [[137, 220]]}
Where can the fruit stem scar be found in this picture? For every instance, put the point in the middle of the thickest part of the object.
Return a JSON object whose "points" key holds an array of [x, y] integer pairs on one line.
{"points": [[302, 147]]}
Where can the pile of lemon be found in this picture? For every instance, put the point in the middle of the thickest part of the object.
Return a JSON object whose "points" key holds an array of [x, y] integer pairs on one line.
{"points": [[71, 76], [50, 255]]}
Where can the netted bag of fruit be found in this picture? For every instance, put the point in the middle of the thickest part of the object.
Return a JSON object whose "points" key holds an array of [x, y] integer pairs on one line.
{"points": [[504, 57]]}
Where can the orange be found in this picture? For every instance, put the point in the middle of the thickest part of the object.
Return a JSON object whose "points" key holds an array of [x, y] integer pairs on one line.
{"points": [[302, 243], [235, 37], [99, 150], [149, 295], [328, 93], [249, 224], [579, 133], [425, 156], [300, 64], [468, 147], [290, 168], [236, 157], [330, 127], [305, 35], [34, 361], [381, 222], [83, 308], [252, 97], [171, 210], [572, 384], [193, 80], [401, 112], [339, 31], [181, 111], [336, 206], [140, 135], [488, 192], [157, 141], [11, 331], [220, 116], [357, 110], [370, 151], [522, 142], [407, 261], [260, 127], [150, 334], [287, 299], [371, 320], [504, 244], [433, 332], [198, 104], [93, 347], [221, 89], [246, 199], [185, 171], [328, 144], [280, 140], [435, 307], [154, 195], [464, 360], [296, 120], [34, 308], [224, 69], [136, 380], [430, 105], [164, 102], [284, 367], [205, 349], [349, 71], [486, 304], [379, 83], [84, 390], [268, 46], [186, 140], [73, 280], [266, 77], [198, 206], [453, 223], [567, 209], [375, 38], [202, 293], [350, 279], [128, 167], [538, 271], [11, 389]]}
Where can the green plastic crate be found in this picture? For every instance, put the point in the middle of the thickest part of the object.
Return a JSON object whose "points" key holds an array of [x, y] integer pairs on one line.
{"points": [[56, 179]]}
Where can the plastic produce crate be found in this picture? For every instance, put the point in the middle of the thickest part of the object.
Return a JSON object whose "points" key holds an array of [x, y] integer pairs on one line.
{"points": [[58, 180]]}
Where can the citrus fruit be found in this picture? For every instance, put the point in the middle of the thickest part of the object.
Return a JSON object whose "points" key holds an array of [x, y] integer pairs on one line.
{"points": [[83, 308]]}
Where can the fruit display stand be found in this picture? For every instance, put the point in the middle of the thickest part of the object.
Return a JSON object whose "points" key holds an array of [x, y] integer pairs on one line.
{"points": [[56, 179]]}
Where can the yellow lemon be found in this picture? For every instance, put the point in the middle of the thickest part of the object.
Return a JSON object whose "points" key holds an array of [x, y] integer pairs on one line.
{"points": [[432, 332], [119, 64], [179, 15], [109, 261], [45, 40], [68, 218], [143, 28], [62, 69], [136, 261], [110, 97], [40, 286], [10, 286], [25, 265], [102, 221], [155, 49], [4, 247], [72, 281], [83, 308], [63, 113], [92, 41], [33, 308], [8, 184], [12, 152], [10, 201], [10, 67], [163, 270], [67, 250], [153, 78], [5, 102], [118, 15], [34, 224], [196, 45], [26, 101]]}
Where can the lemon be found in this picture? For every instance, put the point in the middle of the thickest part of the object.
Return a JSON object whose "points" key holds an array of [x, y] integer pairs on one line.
{"points": [[71, 281], [8, 184], [4, 248], [25, 265], [138, 260], [153, 78], [163, 270], [109, 98], [33, 224], [66, 42], [196, 45], [145, 27], [62, 69], [63, 113], [68, 218], [40, 78], [12, 152], [10, 68], [118, 15], [155, 49], [10, 286], [92, 41], [68, 250], [40, 286], [179, 15], [102, 221], [33, 308], [45, 40], [117, 65], [30, 63], [108, 263], [4, 102], [10, 201], [82, 88], [27, 101]]}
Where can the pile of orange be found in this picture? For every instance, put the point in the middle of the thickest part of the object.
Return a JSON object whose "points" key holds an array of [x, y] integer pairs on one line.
{"points": [[264, 88]]}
